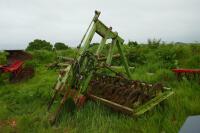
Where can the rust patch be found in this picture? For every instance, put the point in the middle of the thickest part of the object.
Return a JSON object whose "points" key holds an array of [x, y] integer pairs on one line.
{"points": [[130, 93]]}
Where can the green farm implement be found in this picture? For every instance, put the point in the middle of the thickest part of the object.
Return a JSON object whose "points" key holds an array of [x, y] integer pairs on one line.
{"points": [[84, 77]]}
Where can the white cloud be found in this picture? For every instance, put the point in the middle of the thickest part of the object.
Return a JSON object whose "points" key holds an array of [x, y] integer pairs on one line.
{"points": [[66, 21]]}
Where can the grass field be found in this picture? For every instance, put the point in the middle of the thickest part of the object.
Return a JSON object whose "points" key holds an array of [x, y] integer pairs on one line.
{"points": [[26, 103]]}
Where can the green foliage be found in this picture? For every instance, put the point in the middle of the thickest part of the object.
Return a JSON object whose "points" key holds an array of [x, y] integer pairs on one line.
{"points": [[94, 44], [154, 43], [182, 51], [26, 102], [195, 48], [38, 44], [43, 56], [68, 52], [136, 56], [3, 78], [132, 43], [164, 75], [3, 59], [60, 46], [153, 67], [168, 56], [31, 63], [193, 62]]}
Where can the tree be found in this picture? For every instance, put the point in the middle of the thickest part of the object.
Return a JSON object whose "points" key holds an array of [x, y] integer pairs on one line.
{"points": [[132, 43], [154, 43], [94, 44], [60, 46], [38, 44]]}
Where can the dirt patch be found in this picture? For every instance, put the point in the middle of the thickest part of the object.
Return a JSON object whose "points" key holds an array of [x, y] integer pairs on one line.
{"points": [[130, 93], [10, 122]]}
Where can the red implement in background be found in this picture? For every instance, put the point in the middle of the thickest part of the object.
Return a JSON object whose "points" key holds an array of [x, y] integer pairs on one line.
{"points": [[15, 65], [186, 70], [189, 73]]}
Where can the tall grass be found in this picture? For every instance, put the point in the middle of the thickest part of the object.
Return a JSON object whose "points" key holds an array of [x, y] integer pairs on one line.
{"points": [[26, 102]]}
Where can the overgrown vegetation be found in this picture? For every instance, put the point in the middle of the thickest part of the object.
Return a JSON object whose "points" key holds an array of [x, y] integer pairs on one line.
{"points": [[26, 102], [3, 57], [60, 46], [38, 44]]}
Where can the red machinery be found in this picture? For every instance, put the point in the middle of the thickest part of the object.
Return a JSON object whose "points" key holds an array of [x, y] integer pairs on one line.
{"points": [[189, 73], [14, 67], [15, 61]]}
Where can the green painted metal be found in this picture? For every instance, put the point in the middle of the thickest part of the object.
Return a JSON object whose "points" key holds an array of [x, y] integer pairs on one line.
{"points": [[102, 43], [78, 74], [60, 85], [83, 88], [61, 81], [136, 111], [110, 53], [93, 20], [150, 104], [89, 38], [104, 31], [123, 59]]}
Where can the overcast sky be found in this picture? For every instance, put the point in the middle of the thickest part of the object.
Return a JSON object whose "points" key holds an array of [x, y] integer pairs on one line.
{"points": [[22, 21]]}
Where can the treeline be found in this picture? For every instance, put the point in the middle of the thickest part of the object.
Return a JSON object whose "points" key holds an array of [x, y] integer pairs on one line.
{"points": [[38, 44], [159, 54], [155, 57], [155, 54]]}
